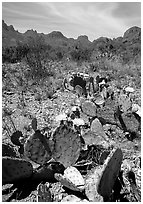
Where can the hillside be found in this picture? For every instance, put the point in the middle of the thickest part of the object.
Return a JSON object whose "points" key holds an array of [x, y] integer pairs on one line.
{"points": [[126, 47], [51, 129]]}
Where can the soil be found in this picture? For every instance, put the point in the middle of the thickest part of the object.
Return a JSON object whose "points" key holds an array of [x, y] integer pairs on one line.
{"points": [[46, 110]]}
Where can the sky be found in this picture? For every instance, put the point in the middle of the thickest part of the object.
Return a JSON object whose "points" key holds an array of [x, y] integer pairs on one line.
{"points": [[94, 19]]}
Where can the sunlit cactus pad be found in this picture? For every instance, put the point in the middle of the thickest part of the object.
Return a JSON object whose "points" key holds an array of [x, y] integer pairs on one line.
{"points": [[91, 181], [97, 128], [67, 145], [37, 148], [91, 138], [98, 99], [14, 169], [109, 173], [89, 108], [79, 90], [71, 198], [71, 179], [124, 102]]}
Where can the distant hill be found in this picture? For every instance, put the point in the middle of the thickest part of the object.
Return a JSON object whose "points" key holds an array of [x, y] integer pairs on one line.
{"points": [[10, 37], [127, 46]]}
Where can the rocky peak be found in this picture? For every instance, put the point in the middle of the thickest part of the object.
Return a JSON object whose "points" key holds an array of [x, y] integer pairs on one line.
{"points": [[132, 34], [83, 37], [56, 34], [6, 27], [131, 31]]}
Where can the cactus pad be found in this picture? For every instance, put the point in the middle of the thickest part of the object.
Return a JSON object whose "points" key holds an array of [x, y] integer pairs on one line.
{"points": [[34, 124], [91, 138], [67, 145], [15, 169], [37, 148], [79, 90], [8, 150], [109, 173], [104, 93], [71, 179], [98, 99], [103, 156], [15, 138], [71, 198], [89, 108], [47, 171], [97, 128], [124, 103], [90, 185]]}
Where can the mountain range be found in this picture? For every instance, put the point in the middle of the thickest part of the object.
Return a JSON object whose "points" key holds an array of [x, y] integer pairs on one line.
{"points": [[129, 42]]}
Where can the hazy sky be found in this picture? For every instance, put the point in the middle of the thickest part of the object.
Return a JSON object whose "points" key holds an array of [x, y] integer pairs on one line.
{"points": [[94, 19]]}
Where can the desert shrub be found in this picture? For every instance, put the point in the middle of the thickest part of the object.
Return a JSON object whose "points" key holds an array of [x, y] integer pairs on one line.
{"points": [[14, 54], [36, 58], [80, 55], [10, 54], [118, 71]]}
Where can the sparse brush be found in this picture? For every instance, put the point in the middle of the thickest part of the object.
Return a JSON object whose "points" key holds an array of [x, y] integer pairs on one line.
{"points": [[8, 113]]}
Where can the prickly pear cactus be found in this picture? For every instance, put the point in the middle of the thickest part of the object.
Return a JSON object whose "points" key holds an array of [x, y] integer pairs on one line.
{"points": [[8, 150], [97, 128], [104, 93], [34, 124], [98, 99], [37, 148], [103, 156], [15, 138], [91, 138], [71, 198], [67, 145], [71, 179], [79, 90], [124, 103], [43, 193], [90, 185], [89, 108], [15, 169], [109, 173], [47, 171]]}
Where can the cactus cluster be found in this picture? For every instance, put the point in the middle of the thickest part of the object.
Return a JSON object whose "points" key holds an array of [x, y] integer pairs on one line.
{"points": [[100, 181], [63, 148]]}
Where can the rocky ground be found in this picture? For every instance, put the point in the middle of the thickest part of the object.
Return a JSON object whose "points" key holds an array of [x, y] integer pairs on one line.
{"points": [[45, 110]]}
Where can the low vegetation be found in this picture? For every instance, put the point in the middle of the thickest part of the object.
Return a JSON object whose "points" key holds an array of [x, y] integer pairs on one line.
{"points": [[33, 97]]}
